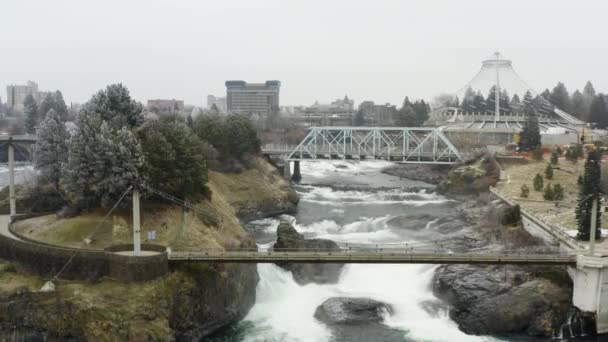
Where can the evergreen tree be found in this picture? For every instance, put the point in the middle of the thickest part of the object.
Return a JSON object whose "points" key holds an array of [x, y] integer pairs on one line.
{"points": [[479, 103], [588, 96], [60, 106], [121, 159], [505, 102], [241, 137], [560, 97], [31, 114], [214, 110], [190, 121], [80, 175], [589, 188], [548, 193], [530, 134], [51, 149], [210, 128], [578, 105], [598, 113], [525, 191], [46, 105], [467, 104], [406, 117], [538, 182], [115, 106], [515, 104], [558, 192], [359, 119], [554, 157], [549, 172], [170, 142]]}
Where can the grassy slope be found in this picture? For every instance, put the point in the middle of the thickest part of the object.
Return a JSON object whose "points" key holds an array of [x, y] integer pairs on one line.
{"points": [[562, 215], [172, 227]]}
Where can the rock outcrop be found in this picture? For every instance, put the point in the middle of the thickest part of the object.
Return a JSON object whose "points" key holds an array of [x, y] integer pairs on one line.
{"points": [[288, 239], [344, 310], [187, 305], [498, 300], [472, 178], [358, 319]]}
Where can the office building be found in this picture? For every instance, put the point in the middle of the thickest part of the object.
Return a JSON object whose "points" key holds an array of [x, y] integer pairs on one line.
{"points": [[16, 94], [252, 98], [219, 102]]}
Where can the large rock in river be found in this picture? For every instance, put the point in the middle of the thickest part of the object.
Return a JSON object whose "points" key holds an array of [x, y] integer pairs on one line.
{"points": [[497, 300], [344, 310], [288, 239], [358, 319]]}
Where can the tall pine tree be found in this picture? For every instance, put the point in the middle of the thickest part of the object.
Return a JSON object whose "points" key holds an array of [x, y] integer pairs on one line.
{"points": [[598, 113], [589, 188], [530, 134], [31, 114], [51, 149], [560, 97]]}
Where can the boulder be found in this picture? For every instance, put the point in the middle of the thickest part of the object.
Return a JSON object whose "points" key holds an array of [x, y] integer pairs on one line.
{"points": [[358, 319], [288, 239], [494, 300], [344, 310]]}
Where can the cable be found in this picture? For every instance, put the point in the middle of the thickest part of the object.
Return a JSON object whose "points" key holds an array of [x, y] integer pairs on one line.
{"points": [[94, 231]]}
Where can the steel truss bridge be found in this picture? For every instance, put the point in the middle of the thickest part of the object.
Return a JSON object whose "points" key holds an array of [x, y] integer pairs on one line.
{"points": [[403, 144]]}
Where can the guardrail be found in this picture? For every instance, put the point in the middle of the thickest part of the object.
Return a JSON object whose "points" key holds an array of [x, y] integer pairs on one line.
{"points": [[555, 232]]}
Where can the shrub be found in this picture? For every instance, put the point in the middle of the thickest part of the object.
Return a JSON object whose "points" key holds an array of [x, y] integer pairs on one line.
{"points": [[558, 192], [549, 171], [580, 180], [548, 194], [538, 154], [554, 157], [525, 191], [538, 182]]}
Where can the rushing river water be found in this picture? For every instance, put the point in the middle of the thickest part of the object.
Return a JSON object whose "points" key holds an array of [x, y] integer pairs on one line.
{"points": [[354, 209]]}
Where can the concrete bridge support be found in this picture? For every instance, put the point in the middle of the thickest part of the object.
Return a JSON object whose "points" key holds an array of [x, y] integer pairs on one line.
{"points": [[297, 176], [11, 178], [287, 169], [590, 293]]}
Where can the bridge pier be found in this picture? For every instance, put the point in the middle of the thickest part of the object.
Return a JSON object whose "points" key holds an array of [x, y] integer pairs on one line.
{"points": [[297, 176], [11, 178], [287, 169], [590, 288]]}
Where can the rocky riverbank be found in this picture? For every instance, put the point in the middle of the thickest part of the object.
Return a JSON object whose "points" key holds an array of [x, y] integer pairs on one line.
{"points": [[488, 300], [187, 305]]}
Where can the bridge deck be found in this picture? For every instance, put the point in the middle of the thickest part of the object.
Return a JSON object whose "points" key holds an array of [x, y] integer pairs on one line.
{"points": [[372, 258]]}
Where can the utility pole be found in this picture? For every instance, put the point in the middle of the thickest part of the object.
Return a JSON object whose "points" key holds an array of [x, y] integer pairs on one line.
{"points": [[11, 178], [593, 224], [136, 223]]}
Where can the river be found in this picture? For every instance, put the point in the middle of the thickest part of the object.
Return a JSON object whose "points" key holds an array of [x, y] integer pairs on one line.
{"points": [[349, 202]]}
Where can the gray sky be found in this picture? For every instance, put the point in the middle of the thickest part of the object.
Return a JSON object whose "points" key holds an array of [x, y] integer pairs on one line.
{"points": [[319, 49]]}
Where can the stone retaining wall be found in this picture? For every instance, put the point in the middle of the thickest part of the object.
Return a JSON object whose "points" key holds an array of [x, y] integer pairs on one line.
{"points": [[47, 260]]}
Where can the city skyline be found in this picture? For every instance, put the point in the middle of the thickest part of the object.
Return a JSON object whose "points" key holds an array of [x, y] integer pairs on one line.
{"points": [[333, 55]]}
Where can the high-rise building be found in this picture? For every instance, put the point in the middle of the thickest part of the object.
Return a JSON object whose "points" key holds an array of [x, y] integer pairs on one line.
{"points": [[252, 98], [219, 102], [16, 94]]}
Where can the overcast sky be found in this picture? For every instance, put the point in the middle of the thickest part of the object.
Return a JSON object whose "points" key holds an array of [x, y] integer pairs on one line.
{"points": [[319, 49]]}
